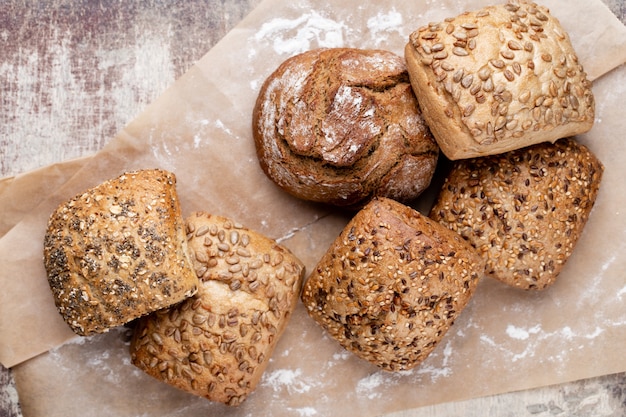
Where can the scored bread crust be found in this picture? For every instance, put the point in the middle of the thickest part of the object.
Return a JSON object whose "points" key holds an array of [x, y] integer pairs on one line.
{"points": [[391, 285], [118, 251], [524, 210], [498, 79], [341, 125], [218, 343]]}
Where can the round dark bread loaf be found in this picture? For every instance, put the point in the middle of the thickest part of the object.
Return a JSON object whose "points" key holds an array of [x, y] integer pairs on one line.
{"points": [[391, 285], [342, 125]]}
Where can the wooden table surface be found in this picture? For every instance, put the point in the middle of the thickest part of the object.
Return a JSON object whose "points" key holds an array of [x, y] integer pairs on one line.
{"points": [[74, 72]]}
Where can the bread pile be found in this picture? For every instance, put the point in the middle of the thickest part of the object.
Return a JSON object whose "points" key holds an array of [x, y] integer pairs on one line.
{"points": [[499, 91], [210, 298]]}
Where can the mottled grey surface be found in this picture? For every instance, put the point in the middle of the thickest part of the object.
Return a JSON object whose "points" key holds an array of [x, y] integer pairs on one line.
{"points": [[9, 404], [84, 69]]}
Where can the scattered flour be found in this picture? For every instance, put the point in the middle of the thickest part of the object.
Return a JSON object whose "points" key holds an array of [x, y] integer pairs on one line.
{"points": [[597, 332], [535, 338], [368, 386], [220, 125], [377, 384], [567, 333], [286, 379], [521, 334], [306, 411], [607, 264], [342, 355], [197, 141], [442, 370], [293, 36], [381, 25]]}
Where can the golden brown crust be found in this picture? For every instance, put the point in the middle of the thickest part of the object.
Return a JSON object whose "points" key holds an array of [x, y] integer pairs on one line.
{"points": [[118, 251], [342, 125], [498, 79], [392, 284], [523, 210], [217, 343]]}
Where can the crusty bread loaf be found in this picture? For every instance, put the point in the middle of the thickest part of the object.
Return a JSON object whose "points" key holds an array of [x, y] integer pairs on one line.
{"points": [[218, 343], [342, 125], [118, 251], [524, 210], [497, 79], [391, 285]]}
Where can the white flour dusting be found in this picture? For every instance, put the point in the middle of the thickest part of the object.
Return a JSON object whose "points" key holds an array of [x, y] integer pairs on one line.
{"points": [[341, 355], [377, 384], [521, 334], [341, 139], [368, 386], [534, 338], [286, 379], [293, 36], [442, 370], [306, 411], [381, 25]]}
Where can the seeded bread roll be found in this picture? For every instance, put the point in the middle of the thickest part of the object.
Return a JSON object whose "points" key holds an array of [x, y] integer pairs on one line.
{"points": [[118, 251], [218, 343], [498, 79], [524, 210], [342, 125], [392, 284]]}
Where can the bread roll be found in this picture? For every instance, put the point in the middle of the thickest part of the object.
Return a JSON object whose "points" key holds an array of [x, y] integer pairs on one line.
{"points": [[217, 343], [524, 210], [391, 285], [498, 79], [341, 125], [118, 251]]}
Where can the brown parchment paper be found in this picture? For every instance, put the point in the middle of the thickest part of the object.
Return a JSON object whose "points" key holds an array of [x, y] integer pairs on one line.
{"points": [[200, 129], [24, 192]]}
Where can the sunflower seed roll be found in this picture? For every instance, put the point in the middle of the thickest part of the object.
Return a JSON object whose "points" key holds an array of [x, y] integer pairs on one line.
{"points": [[218, 343], [498, 79]]}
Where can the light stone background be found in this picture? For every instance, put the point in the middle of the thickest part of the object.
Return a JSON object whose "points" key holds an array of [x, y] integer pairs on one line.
{"points": [[74, 72]]}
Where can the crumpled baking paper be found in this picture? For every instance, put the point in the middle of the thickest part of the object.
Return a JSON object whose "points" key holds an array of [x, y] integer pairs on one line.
{"points": [[200, 129]]}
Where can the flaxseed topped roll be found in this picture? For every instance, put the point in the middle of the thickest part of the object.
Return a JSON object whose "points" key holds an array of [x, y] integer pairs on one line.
{"points": [[498, 79], [342, 125], [523, 210], [391, 285], [118, 251]]}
